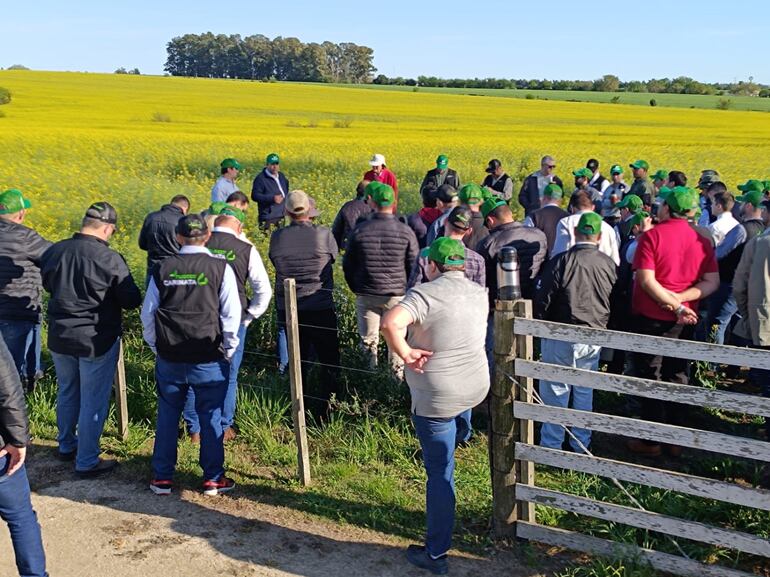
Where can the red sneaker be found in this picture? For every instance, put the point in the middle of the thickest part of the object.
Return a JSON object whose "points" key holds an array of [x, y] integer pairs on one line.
{"points": [[213, 488], [161, 487]]}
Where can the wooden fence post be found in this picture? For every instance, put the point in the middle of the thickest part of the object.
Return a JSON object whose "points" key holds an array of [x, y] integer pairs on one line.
{"points": [[524, 349], [121, 394], [503, 426], [295, 378]]}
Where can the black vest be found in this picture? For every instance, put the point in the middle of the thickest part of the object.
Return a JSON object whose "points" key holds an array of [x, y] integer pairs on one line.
{"points": [[729, 263], [597, 184], [187, 324], [236, 253], [498, 186]]}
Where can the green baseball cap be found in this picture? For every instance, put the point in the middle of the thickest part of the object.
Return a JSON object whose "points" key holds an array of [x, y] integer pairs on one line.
{"points": [[217, 207], [754, 197], [661, 174], [445, 250], [680, 199], [616, 169], [471, 194], [583, 172], [752, 184], [590, 223], [233, 211], [442, 161], [639, 217], [230, 163], [553, 191], [12, 201], [491, 204], [767, 185], [640, 164], [380, 193], [272, 158], [631, 202]]}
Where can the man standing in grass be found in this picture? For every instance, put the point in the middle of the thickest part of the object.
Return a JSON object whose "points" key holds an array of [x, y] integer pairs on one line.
{"points": [[534, 185], [158, 234], [497, 182], [225, 184], [191, 317], [21, 288], [642, 187], [440, 175], [438, 330], [269, 190], [90, 286]]}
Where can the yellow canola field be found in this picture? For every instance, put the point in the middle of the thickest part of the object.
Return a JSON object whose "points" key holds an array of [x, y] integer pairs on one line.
{"points": [[68, 139]]}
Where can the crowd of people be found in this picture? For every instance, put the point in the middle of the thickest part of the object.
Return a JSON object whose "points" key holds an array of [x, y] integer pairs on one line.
{"points": [[654, 257]]}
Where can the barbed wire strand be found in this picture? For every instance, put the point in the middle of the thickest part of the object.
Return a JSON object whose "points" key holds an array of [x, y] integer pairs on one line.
{"points": [[317, 363], [618, 484]]}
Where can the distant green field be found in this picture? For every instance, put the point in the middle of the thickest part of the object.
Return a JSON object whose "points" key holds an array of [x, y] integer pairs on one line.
{"points": [[637, 98]]}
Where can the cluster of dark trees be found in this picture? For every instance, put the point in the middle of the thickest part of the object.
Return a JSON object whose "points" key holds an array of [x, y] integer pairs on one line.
{"points": [[259, 58], [122, 70], [607, 83]]}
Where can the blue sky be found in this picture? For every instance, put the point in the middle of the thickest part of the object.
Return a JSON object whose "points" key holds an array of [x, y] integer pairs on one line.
{"points": [[707, 40]]}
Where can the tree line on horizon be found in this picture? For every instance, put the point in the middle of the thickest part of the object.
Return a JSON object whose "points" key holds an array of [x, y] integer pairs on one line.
{"points": [[257, 57]]}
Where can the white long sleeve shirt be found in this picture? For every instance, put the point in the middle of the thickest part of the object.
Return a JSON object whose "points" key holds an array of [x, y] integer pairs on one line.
{"points": [[259, 282], [565, 238], [229, 306], [724, 223]]}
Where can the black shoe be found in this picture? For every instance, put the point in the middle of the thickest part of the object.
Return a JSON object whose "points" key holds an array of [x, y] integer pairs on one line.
{"points": [[102, 468], [66, 457], [419, 557]]}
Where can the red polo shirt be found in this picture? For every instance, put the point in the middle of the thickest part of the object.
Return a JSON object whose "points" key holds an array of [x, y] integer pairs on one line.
{"points": [[679, 256]]}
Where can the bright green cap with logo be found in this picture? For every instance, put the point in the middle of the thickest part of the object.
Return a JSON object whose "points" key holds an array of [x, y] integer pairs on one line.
{"points": [[631, 202], [230, 163], [471, 194], [680, 199], [12, 201], [491, 204], [640, 164], [445, 250], [234, 212], [442, 161], [754, 197], [553, 191], [616, 169], [752, 184], [380, 193], [639, 217], [272, 158], [217, 207], [590, 223], [583, 172], [661, 174], [767, 185]]}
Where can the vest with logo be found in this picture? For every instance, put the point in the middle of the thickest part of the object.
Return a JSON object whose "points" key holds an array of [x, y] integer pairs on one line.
{"points": [[236, 253], [187, 323]]}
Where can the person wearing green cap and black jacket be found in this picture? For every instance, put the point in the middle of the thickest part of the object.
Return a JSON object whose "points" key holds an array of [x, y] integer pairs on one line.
{"points": [[547, 217], [225, 184], [15, 504], [269, 190], [191, 317], [158, 234], [675, 268], [642, 187], [440, 175], [90, 286], [21, 288], [574, 288], [377, 264], [438, 330], [472, 196]]}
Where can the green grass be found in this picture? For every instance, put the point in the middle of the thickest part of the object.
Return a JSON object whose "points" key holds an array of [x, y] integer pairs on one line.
{"points": [[632, 98]]}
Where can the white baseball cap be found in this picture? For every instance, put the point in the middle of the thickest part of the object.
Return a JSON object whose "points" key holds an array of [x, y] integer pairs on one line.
{"points": [[377, 160]]}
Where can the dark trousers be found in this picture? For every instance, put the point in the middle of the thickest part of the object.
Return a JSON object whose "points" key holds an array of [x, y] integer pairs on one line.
{"points": [[660, 368]]}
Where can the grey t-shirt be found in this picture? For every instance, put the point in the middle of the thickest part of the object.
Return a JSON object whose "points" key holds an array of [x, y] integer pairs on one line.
{"points": [[450, 319]]}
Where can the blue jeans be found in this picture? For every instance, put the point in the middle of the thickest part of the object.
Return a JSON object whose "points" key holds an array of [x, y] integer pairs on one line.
{"points": [[721, 309], [228, 410], [283, 343], [16, 511], [83, 402], [21, 340], [556, 394], [209, 380], [438, 439]]}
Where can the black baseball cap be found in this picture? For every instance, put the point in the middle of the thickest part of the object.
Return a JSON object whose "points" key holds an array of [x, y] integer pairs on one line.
{"points": [[103, 211], [192, 226], [446, 193], [593, 164], [461, 217], [493, 165]]}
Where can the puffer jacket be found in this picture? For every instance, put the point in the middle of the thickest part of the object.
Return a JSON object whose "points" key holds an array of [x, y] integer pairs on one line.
{"points": [[305, 253], [531, 245], [347, 218], [379, 257], [158, 235], [21, 288], [14, 425]]}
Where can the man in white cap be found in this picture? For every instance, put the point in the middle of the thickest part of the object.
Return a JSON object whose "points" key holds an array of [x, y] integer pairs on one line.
{"points": [[381, 173]]}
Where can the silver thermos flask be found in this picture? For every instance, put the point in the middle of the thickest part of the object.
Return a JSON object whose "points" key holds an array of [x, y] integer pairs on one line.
{"points": [[508, 285]]}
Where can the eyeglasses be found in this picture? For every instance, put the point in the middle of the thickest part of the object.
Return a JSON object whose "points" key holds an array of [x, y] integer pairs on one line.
{"points": [[550, 166]]}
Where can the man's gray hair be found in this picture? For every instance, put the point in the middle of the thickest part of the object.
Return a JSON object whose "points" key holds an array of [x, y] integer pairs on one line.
{"points": [[547, 160]]}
